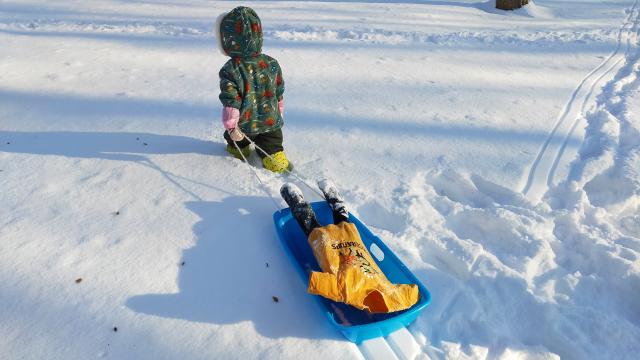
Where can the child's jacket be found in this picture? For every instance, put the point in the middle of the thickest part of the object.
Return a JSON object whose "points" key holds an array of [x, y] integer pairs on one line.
{"points": [[351, 276], [250, 81]]}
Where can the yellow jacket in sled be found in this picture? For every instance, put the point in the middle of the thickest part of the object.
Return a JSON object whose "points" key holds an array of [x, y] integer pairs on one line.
{"points": [[351, 276]]}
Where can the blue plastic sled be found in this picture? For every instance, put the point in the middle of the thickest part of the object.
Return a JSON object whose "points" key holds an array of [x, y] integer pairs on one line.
{"points": [[356, 325]]}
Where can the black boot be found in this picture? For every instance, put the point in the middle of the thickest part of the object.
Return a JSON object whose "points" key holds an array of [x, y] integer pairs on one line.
{"points": [[301, 210], [335, 201]]}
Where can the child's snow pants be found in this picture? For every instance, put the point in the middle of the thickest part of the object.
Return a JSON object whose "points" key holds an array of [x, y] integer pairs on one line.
{"points": [[270, 142]]}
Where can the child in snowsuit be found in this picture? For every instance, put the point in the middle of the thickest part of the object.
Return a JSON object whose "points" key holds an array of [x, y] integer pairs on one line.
{"points": [[251, 90], [349, 273]]}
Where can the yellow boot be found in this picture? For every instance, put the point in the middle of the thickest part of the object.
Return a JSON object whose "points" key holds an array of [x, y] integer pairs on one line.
{"points": [[277, 162]]}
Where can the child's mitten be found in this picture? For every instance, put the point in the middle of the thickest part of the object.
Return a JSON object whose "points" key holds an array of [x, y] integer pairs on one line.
{"points": [[230, 117]]}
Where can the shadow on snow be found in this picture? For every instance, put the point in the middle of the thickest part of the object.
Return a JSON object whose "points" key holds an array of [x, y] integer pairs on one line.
{"points": [[232, 273]]}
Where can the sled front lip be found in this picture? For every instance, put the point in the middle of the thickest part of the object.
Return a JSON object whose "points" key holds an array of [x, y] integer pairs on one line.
{"points": [[356, 325]]}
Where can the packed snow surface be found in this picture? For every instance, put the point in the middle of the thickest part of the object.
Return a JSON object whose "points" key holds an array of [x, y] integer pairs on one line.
{"points": [[497, 153]]}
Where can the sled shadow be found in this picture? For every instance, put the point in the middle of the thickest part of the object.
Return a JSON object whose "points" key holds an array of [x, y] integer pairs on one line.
{"points": [[232, 273]]}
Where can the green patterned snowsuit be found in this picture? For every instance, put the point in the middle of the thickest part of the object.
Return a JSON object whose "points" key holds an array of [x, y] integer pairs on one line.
{"points": [[250, 81]]}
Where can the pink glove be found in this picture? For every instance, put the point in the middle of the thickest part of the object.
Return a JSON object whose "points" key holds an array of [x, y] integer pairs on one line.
{"points": [[280, 107], [235, 134], [230, 117]]}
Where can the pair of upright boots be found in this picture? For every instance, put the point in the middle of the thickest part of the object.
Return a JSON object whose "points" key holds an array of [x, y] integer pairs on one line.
{"points": [[302, 211]]}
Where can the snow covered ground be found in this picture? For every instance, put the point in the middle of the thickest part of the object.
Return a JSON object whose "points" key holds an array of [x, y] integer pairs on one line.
{"points": [[498, 153]]}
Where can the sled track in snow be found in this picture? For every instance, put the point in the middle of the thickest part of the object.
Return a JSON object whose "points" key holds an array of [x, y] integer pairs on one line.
{"points": [[635, 29], [543, 168]]}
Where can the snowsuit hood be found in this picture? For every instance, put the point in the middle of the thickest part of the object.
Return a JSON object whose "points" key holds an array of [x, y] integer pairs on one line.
{"points": [[241, 33]]}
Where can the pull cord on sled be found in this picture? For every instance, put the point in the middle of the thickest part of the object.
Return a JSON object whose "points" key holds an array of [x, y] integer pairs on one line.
{"points": [[264, 187]]}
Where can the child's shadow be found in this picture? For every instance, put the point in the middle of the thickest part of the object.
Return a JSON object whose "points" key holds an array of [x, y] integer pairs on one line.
{"points": [[233, 273]]}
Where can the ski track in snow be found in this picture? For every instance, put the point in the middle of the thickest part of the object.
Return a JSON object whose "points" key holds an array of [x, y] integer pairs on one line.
{"points": [[542, 171]]}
